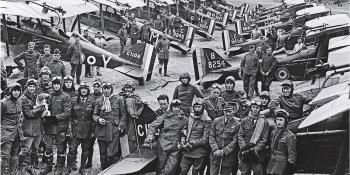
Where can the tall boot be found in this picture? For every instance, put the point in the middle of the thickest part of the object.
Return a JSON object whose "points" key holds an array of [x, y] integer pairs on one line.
{"points": [[84, 157], [160, 71], [5, 165], [48, 164], [61, 160], [13, 165], [34, 159], [70, 163], [24, 163], [165, 71]]}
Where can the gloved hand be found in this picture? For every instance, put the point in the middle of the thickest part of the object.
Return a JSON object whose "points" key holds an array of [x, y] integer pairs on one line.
{"points": [[101, 121], [149, 139], [218, 153], [188, 146]]}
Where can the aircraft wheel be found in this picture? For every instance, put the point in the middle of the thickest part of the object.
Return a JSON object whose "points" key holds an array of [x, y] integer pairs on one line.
{"points": [[282, 73]]}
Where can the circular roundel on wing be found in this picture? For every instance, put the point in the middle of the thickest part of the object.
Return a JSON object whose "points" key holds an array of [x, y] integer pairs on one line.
{"points": [[282, 73]]}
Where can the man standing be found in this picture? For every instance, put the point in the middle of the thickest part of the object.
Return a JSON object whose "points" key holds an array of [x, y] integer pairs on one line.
{"points": [[145, 33], [43, 59], [55, 126], [134, 31], [56, 65], [272, 38], [158, 24], [185, 92], [223, 142], [82, 111], [76, 58], [44, 83], [252, 138], [283, 147], [101, 43], [31, 126], [163, 54], [173, 122], [256, 33], [250, 66], [292, 103], [213, 103], [267, 69], [86, 35], [123, 37], [110, 116], [195, 151], [11, 130], [244, 107], [163, 102], [229, 94], [30, 58]]}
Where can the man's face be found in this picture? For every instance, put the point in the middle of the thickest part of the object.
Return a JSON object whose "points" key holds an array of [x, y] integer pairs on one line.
{"points": [[299, 40], [128, 90], [184, 80], [31, 47], [45, 77], [228, 111], [264, 101], [176, 109], [97, 88], [197, 108], [286, 90], [269, 51], [229, 86], [215, 93], [77, 39], [280, 122], [57, 56], [47, 51], [99, 36], [86, 33], [163, 104], [255, 110], [251, 49], [16, 93], [243, 99], [31, 88], [107, 91], [56, 86], [84, 91], [258, 49], [68, 84]]}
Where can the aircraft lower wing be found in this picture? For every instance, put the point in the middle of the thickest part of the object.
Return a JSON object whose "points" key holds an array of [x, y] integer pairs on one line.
{"points": [[211, 77], [179, 46]]}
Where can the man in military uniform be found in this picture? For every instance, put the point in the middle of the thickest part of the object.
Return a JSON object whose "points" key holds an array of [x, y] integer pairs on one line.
{"points": [[244, 107], [123, 37], [30, 58], [173, 122], [44, 83], [43, 59], [110, 116], [11, 130], [250, 66], [229, 94], [82, 121], [214, 102], [75, 52], [55, 126], [252, 138], [185, 92], [195, 150], [163, 54], [163, 102], [56, 65], [31, 126], [223, 139], [283, 147], [292, 103], [267, 69]]}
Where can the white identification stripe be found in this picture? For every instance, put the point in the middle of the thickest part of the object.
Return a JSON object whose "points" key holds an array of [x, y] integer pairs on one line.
{"points": [[241, 11], [246, 8], [211, 27], [227, 40], [224, 21], [188, 36], [199, 62], [234, 15], [239, 27], [147, 62]]}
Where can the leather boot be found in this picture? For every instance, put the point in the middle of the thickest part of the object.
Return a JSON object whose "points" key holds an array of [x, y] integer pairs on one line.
{"points": [[70, 163], [24, 164], [5, 164], [34, 159], [48, 164], [61, 160], [165, 71], [13, 165]]}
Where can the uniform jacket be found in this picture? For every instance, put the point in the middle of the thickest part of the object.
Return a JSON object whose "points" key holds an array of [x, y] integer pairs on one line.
{"points": [[163, 49], [32, 125], [198, 136], [134, 107], [223, 136], [71, 92], [229, 96], [96, 96], [114, 120], [57, 68], [134, 31], [268, 64], [213, 106], [145, 33], [74, 52], [30, 60], [43, 59], [250, 64], [293, 105], [11, 112], [60, 106], [283, 150], [158, 25], [177, 22], [246, 131], [243, 111], [172, 124], [123, 35], [82, 117], [186, 93]]}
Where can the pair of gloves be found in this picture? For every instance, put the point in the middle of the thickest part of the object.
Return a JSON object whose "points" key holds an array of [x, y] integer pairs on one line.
{"points": [[218, 153], [122, 128]]}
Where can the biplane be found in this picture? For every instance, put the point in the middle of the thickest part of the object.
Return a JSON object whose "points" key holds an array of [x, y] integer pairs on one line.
{"points": [[220, 17], [34, 25], [210, 67]]}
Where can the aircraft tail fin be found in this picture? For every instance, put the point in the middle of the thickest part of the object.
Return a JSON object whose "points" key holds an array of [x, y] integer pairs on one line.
{"points": [[227, 38], [207, 64], [186, 35], [143, 55]]}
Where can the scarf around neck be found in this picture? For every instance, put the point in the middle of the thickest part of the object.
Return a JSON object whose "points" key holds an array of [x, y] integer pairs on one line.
{"points": [[106, 103]]}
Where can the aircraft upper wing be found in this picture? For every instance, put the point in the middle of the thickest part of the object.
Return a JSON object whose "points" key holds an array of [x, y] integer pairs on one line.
{"points": [[133, 3], [72, 8], [115, 4], [21, 9]]}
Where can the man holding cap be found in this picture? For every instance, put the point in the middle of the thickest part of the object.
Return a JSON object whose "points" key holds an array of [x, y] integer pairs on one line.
{"points": [[223, 138]]}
